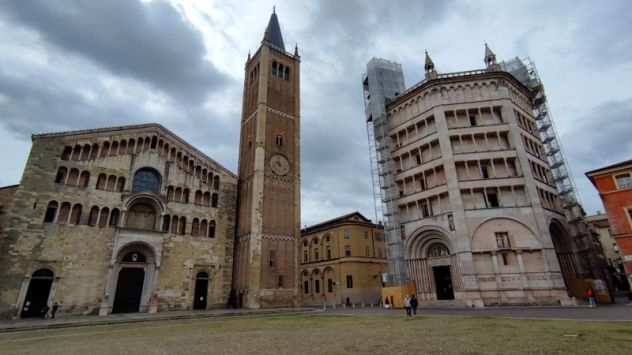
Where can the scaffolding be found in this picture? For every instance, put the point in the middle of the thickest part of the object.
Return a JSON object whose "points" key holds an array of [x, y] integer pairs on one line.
{"points": [[383, 80], [525, 71]]}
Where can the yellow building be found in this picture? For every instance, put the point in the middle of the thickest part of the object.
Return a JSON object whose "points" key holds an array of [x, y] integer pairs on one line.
{"points": [[342, 261]]}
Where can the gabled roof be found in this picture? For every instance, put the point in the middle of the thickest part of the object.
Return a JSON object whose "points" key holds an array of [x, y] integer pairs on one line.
{"points": [[273, 33], [609, 167], [353, 217], [139, 127]]}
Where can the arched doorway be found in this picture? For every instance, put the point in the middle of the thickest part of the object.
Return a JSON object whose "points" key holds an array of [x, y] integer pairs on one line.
{"points": [[432, 266], [129, 288], [201, 291], [38, 293], [441, 273]]}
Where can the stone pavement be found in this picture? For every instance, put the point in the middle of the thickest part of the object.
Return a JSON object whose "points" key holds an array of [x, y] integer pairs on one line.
{"points": [[615, 312], [80, 321]]}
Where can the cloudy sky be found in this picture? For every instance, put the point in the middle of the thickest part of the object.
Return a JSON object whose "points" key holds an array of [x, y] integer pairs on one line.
{"points": [[85, 64]]}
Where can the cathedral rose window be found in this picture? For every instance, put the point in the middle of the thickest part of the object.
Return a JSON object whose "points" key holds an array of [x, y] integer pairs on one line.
{"points": [[146, 179]]}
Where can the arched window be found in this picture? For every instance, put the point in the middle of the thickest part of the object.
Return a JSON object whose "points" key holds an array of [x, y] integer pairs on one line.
{"points": [[64, 211], [166, 222], [214, 200], [103, 219], [146, 179], [147, 143], [94, 151], [85, 152], [195, 227], [209, 180], [204, 176], [198, 197], [211, 229], [101, 182], [437, 250], [286, 73], [172, 155], [105, 149], [154, 141], [67, 152], [280, 73], [170, 193], [73, 177], [182, 225], [131, 146], [111, 183], [274, 68], [139, 145], [94, 216], [120, 184], [174, 224], [191, 166], [114, 149], [203, 228], [75, 215], [76, 152], [114, 217], [206, 199], [84, 179], [51, 212], [185, 195], [123, 147], [178, 195], [216, 182], [61, 175], [198, 171]]}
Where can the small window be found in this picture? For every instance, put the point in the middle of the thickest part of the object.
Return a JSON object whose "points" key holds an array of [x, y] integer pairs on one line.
{"points": [[279, 140], [280, 281], [316, 286], [367, 251], [305, 256], [505, 258], [330, 285], [349, 281], [492, 198], [624, 181], [272, 258], [347, 234], [51, 212], [306, 287], [502, 240], [286, 73], [485, 171], [214, 200], [274, 68], [328, 253], [472, 120], [211, 229], [347, 250]]}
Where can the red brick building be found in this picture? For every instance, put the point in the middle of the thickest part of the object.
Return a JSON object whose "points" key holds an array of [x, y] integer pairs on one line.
{"points": [[614, 183]]}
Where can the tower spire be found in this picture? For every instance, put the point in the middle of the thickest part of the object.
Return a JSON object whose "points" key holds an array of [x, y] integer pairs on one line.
{"points": [[490, 58], [429, 66], [273, 34]]}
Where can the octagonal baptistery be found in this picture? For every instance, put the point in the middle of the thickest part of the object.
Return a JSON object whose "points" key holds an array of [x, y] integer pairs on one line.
{"points": [[476, 197], [116, 220]]}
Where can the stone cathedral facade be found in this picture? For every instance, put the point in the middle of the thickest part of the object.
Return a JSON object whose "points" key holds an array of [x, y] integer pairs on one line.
{"points": [[135, 219]]}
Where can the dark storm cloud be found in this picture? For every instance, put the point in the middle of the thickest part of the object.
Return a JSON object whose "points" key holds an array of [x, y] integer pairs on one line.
{"points": [[150, 42], [599, 138]]}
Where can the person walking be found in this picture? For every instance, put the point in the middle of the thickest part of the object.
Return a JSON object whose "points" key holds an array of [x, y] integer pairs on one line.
{"points": [[54, 310], [590, 295], [407, 305], [44, 311], [414, 304]]}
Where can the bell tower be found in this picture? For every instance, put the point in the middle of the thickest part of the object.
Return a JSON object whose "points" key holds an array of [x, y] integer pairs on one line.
{"points": [[268, 219]]}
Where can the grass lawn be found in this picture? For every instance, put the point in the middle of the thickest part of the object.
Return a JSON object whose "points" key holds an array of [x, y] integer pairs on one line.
{"points": [[330, 334]]}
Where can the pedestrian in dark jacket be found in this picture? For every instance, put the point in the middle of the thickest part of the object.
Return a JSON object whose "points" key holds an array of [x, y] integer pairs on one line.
{"points": [[44, 311], [414, 304], [54, 310]]}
